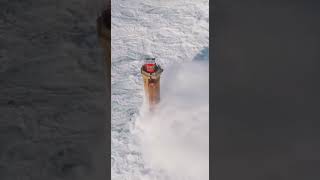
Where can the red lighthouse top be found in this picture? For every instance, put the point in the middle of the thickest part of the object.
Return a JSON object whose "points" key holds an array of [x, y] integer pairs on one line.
{"points": [[150, 65]]}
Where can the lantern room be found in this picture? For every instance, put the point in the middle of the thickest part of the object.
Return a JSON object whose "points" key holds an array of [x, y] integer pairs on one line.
{"points": [[150, 65]]}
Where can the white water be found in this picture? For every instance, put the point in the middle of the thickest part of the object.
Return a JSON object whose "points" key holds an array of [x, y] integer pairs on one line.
{"points": [[161, 145], [175, 138]]}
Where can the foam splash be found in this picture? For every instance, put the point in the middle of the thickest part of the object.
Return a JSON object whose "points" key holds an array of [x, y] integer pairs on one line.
{"points": [[175, 137]]}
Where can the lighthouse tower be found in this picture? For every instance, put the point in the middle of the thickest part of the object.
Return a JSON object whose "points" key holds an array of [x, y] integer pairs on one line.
{"points": [[104, 34], [151, 77]]}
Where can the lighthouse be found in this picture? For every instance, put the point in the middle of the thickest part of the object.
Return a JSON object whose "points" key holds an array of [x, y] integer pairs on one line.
{"points": [[151, 78], [104, 35]]}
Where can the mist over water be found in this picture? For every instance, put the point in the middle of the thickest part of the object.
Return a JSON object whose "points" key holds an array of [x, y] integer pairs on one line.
{"points": [[143, 146], [175, 137]]}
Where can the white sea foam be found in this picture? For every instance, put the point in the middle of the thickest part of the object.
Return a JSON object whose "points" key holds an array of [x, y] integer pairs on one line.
{"points": [[174, 32], [175, 137]]}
